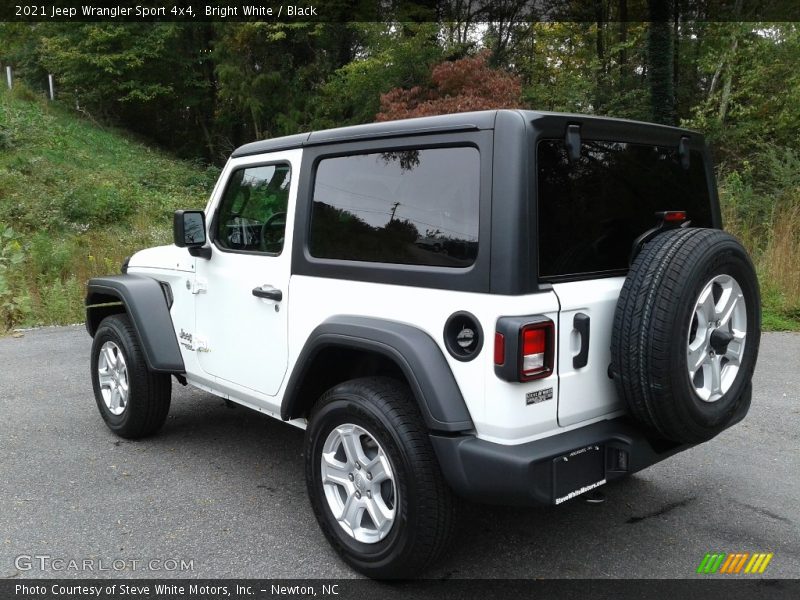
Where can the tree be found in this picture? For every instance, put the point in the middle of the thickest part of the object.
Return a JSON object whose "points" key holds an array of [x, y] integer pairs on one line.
{"points": [[747, 87], [150, 77], [456, 86], [386, 56]]}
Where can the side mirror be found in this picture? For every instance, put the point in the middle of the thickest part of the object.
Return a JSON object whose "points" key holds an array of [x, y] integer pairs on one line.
{"points": [[189, 231], [189, 228]]}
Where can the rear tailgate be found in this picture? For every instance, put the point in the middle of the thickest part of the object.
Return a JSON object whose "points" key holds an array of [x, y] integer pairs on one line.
{"points": [[591, 208]]}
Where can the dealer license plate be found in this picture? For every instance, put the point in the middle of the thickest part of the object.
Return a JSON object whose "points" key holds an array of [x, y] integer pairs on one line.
{"points": [[578, 472]]}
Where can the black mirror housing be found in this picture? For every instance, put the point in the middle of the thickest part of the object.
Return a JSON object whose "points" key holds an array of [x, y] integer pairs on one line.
{"points": [[189, 228]]}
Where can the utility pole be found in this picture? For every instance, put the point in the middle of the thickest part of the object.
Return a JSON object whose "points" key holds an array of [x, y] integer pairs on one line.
{"points": [[394, 210]]}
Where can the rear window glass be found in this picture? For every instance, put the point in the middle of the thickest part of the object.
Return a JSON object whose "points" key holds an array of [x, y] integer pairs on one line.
{"points": [[592, 210], [417, 207]]}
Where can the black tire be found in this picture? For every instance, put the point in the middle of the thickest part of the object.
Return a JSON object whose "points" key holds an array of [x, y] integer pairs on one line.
{"points": [[425, 509], [652, 325], [148, 396]]}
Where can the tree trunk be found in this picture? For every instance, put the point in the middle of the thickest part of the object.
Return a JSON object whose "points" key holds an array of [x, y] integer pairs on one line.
{"points": [[207, 136], [600, 74], [726, 90], [623, 39], [256, 130], [676, 44], [660, 62]]}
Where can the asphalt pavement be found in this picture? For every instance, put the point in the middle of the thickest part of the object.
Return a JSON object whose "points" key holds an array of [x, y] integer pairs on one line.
{"points": [[219, 492]]}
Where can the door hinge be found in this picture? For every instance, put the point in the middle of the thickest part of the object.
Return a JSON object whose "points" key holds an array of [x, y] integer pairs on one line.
{"points": [[199, 285]]}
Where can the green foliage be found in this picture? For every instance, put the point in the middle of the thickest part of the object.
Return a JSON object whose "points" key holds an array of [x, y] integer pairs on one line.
{"points": [[80, 198], [776, 313], [20, 49], [6, 142], [14, 300], [557, 67], [390, 57], [270, 75], [151, 77], [60, 301], [760, 202], [72, 188], [561, 70], [752, 90]]}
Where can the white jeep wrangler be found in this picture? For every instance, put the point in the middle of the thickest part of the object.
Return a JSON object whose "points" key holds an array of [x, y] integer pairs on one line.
{"points": [[505, 306]]}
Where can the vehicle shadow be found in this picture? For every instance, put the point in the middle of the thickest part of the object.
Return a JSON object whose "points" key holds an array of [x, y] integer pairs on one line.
{"points": [[263, 457]]}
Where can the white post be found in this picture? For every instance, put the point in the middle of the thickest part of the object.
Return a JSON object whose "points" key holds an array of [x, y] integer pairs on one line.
{"points": [[50, 81], [8, 76]]}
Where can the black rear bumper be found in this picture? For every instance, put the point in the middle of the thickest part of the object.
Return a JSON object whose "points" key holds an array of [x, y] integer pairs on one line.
{"points": [[525, 474]]}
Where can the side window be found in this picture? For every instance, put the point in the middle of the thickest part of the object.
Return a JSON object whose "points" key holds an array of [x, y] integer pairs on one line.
{"points": [[252, 214], [417, 207]]}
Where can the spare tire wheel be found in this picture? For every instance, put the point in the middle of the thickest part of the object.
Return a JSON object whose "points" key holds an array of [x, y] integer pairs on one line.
{"points": [[686, 333]]}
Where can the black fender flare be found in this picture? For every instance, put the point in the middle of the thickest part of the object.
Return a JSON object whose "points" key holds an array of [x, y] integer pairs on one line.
{"points": [[414, 352], [146, 305]]}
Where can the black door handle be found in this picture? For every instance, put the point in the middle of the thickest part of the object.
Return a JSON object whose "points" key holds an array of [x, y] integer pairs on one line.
{"points": [[581, 323], [269, 294]]}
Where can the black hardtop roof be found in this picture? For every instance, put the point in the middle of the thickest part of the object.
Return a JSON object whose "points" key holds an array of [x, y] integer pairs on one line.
{"points": [[439, 124]]}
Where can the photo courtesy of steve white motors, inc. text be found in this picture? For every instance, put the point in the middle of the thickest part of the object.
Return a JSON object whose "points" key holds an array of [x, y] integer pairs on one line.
{"points": [[141, 589]]}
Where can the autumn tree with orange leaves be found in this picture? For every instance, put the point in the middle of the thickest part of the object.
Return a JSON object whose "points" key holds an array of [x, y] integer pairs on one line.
{"points": [[456, 86]]}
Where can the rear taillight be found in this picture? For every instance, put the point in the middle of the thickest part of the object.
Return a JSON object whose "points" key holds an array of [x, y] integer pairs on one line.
{"points": [[524, 348], [536, 351]]}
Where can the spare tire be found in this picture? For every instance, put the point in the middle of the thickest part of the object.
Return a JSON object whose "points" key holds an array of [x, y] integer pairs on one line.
{"points": [[686, 333]]}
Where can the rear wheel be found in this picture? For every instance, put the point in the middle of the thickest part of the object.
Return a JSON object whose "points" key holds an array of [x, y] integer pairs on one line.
{"points": [[132, 400], [374, 481]]}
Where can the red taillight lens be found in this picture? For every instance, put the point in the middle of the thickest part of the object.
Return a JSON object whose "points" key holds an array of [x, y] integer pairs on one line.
{"points": [[499, 349], [536, 347], [675, 216], [534, 341]]}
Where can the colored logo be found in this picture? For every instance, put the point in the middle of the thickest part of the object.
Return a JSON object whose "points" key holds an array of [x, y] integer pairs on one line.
{"points": [[735, 563]]}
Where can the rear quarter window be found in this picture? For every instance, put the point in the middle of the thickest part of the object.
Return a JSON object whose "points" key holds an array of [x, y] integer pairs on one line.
{"points": [[416, 207], [591, 210]]}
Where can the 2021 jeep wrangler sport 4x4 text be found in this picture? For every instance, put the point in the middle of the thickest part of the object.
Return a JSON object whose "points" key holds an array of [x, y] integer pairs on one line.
{"points": [[505, 306]]}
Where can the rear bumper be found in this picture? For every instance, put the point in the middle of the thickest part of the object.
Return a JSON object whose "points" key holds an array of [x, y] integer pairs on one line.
{"points": [[525, 474]]}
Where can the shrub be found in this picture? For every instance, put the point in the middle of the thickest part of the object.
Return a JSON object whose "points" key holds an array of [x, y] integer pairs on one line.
{"points": [[14, 299]]}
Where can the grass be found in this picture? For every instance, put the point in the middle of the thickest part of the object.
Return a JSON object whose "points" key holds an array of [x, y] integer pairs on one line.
{"points": [[761, 206], [78, 198]]}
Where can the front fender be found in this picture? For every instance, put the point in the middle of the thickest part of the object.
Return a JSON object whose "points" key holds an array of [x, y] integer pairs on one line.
{"points": [[146, 305]]}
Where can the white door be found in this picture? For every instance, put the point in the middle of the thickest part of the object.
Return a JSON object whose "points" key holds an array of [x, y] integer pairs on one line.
{"points": [[585, 390], [242, 290]]}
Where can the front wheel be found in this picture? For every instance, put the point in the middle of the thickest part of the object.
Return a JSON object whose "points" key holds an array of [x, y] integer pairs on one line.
{"points": [[132, 400], [374, 481]]}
